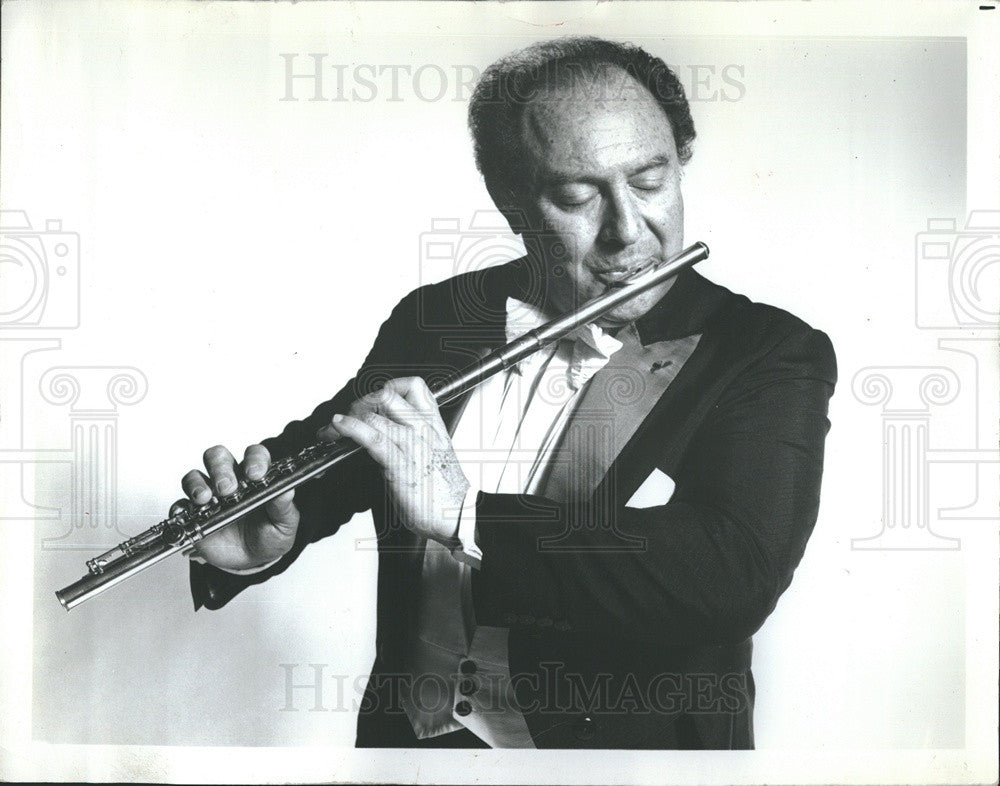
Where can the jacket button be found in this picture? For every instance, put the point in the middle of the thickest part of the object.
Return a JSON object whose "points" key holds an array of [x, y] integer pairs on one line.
{"points": [[526, 619], [509, 618], [463, 708], [467, 667], [584, 728], [544, 622], [562, 625], [467, 687]]}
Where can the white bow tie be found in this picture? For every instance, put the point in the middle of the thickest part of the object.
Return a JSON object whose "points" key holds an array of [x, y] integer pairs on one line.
{"points": [[591, 349]]}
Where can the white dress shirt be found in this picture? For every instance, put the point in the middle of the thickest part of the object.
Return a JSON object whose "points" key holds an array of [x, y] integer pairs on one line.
{"points": [[504, 439]]}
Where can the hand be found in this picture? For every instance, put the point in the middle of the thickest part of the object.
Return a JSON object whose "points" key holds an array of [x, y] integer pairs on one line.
{"points": [[401, 429], [264, 534]]}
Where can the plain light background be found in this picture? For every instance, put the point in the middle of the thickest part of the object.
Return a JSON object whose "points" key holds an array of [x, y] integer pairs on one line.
{"points": [[241, 251]]}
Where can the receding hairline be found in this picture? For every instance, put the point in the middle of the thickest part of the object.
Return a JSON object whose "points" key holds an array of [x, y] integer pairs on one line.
{"points": [[497, 106], [532, 133]]}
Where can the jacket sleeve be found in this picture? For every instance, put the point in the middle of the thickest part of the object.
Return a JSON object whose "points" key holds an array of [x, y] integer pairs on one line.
{"points": [[329, 501], [714, 559]]}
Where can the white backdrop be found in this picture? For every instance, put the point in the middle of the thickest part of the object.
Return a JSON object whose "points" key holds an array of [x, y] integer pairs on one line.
{"points": [[238, 251]]}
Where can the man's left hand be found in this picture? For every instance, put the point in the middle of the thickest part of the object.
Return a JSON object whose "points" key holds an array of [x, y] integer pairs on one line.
{"points": [[400, 427]]}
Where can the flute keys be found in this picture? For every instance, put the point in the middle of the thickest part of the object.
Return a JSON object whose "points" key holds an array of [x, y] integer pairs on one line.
{"points": [[281, 467], [179, 507], [236, 494]]}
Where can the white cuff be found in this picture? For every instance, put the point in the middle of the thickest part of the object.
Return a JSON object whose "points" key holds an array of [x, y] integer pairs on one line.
{"points": [[466, 549]]}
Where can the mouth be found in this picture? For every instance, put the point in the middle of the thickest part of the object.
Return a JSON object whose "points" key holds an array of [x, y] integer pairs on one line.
{"points": [[617, 277]]}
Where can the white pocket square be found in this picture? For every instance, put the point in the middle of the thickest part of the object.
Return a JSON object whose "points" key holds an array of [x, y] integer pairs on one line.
{"points": [[657, 489]]}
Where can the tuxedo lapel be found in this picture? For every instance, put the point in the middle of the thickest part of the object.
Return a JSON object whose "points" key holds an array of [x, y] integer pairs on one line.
{"points": [[618, 398], [614, 404]]}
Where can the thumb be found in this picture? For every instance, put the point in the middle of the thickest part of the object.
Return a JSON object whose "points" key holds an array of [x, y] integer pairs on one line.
{"points": [[282, 512]]}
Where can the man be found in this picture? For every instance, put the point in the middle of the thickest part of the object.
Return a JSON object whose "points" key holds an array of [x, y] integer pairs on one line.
{"points": [[576, 553]]}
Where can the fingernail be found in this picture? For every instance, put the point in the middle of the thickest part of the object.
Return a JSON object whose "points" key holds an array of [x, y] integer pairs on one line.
{"points": [[202, 494], [255, 471], [227, 486], [338, 418]]}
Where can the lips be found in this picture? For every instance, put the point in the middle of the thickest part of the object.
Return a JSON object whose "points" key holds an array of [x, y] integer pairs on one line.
{"points": [[617, 276]]}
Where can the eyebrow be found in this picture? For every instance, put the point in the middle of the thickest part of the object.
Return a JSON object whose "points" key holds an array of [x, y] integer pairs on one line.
{"points": [[657, 161]]}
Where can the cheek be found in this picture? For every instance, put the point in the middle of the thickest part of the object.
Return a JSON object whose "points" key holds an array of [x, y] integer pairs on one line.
{"points": [[577, 232], [670, 207]]}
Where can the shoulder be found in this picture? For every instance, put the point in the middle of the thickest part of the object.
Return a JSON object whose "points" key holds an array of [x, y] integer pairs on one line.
{"points": [[472, 299], [774, 336]]}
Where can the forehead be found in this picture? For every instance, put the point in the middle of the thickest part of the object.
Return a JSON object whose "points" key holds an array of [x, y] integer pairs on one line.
{"points": [[595, 124]]}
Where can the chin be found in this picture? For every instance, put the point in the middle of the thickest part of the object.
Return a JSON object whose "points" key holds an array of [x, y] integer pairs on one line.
{"points": [[637, 307]]}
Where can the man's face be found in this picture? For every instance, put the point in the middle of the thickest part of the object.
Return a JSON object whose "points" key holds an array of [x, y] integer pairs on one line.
{"points": [[605, 189]]}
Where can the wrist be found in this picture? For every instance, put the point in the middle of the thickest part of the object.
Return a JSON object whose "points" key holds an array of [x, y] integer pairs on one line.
{"points": [[448, 533]]}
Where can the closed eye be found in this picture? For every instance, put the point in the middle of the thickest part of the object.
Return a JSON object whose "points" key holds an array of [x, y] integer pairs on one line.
{"points": [[573, 194], [650, 179]]}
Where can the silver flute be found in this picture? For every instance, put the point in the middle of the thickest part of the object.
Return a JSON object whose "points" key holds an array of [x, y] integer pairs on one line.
{"points": [[187, 524]]}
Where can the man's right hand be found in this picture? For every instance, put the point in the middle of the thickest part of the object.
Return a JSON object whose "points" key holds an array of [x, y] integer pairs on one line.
{"points": [[261, 536]]}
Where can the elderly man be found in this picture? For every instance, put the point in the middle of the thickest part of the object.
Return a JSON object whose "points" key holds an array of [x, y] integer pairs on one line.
{"points": [[576, 553]]}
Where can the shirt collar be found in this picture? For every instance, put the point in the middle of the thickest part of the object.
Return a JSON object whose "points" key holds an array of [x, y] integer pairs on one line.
{"points": [[589, 346]]}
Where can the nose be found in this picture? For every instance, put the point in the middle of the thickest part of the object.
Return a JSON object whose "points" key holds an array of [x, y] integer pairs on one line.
{"points": [[621, 223]]}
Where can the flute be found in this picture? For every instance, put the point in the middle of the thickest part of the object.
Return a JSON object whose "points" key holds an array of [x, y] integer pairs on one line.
{"points": [[187, 524]]}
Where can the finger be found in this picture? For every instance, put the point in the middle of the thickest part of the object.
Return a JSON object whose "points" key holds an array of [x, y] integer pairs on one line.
{"points": [[392, 405], [418, 397], [256, 460], [195, 485], [374, 440], [385, 401], [398, 434], [221, 468], [415, 391]]}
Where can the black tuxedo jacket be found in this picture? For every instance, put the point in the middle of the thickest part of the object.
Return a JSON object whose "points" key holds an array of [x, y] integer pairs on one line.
{"points": [[629, 627]]}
